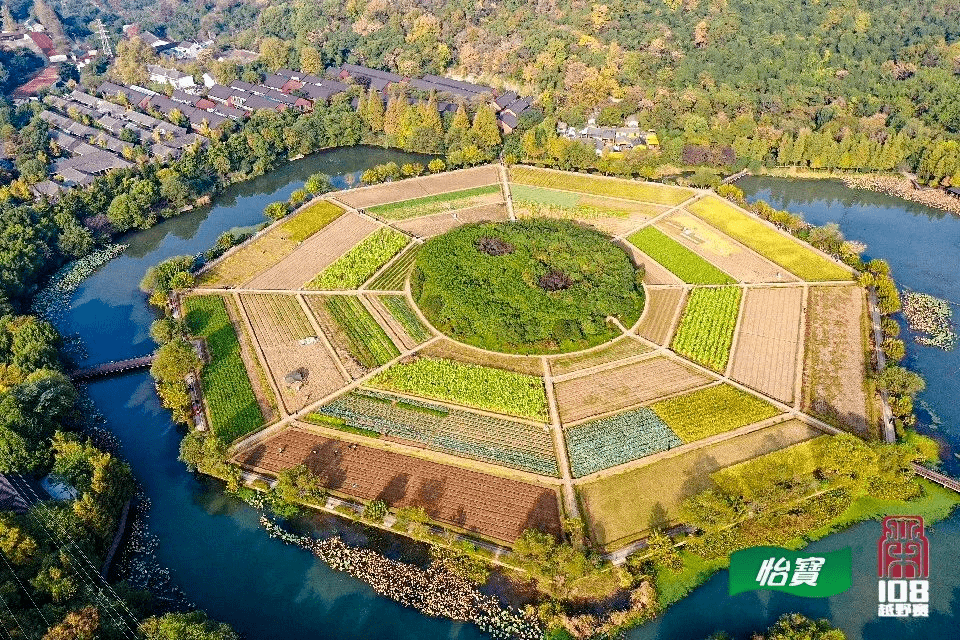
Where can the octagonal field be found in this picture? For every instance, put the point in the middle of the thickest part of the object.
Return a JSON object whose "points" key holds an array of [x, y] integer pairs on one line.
{"points": [[554, 340]]}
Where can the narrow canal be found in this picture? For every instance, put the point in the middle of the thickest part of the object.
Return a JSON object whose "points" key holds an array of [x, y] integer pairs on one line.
{"points": [[225, 563]]}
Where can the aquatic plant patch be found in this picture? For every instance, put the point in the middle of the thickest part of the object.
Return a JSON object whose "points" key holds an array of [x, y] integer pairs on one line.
{"points": [[682, 262], [469, 385], [356, 266], [707, 412], [227, 391], [931, 319], [473, 435], [608, 442], [706, 328]]}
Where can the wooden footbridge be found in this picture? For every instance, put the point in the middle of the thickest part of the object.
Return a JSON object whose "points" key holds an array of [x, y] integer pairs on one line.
{"points": [[110, 368], [941, 479]]}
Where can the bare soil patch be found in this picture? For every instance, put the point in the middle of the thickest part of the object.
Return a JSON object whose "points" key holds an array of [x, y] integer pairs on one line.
{"points": [[624, 386], [620, 349], [661, 309], [440, 223], [721, 250], [420, 187], [315, 254], [766, 355], [491, 506], [834, 368]]}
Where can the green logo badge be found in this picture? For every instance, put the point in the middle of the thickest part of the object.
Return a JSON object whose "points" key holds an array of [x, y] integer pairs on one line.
{"points": [[812, 575]]}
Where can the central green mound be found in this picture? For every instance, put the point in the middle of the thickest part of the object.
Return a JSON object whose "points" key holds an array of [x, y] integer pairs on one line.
{"points": [[531, 286]]}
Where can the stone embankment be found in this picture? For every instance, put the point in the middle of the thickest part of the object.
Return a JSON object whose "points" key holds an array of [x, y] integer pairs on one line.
{"points": [[902, 187]]}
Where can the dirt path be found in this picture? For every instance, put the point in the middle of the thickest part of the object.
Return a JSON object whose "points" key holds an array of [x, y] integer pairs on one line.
{"points": [[560, 445]]}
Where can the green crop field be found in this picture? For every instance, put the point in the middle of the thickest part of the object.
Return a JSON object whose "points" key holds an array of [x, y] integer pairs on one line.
{"points": [[627, 189], [354, 267], [227, 391], [682, 262], [710, 411], [525, 193], [313, 218], [469, 385], [434, 204], [368, 342], [706, 329], [787, 252], [400, 309], [394, 277]]}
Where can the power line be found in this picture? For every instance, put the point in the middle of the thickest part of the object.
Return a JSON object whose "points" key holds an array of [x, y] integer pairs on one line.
{"points": [[17, 578], [10, 611]]}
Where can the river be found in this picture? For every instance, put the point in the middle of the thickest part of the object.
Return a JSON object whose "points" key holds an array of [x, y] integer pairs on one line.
{"points": [[226, 564]]}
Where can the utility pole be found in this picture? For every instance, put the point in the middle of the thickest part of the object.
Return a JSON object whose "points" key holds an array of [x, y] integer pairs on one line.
{"points": [[105, 47]]}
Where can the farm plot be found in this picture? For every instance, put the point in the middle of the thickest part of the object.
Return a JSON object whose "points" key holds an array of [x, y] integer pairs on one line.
{"points": [[721, 250], [621, 508], [355, 267], [227, 390], [707, 412], [421, 187], [487, 505], [610, 216], [681, 261], [659, 313], [438, 224], [766, 355], [835, 363], [789, 253], [469, 385], [615, 440], [360, 342], [271, 247], [283, 332], [279, 318], [451, 350], [439, 203], [619, 349], [600, 185], [394, 329], [400, 309], [706, 328], [621, 387], [653, 272], [455, 431], [394, 277], [315, 254]]}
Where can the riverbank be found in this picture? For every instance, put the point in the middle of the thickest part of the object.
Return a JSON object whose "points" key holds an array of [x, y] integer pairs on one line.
{"points": [[895, 185]]}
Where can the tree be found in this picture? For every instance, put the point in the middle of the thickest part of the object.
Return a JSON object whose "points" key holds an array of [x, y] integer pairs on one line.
{"points": [[9, 24], [372, 113], [133, 56], [375, 511], [77, 625], [485, 131], [900, 381], [310, 60], [163, 330], [276, 210], [164, 277], [794, 626], [318, 183], [275, 53], [17, 545], [174, 360], [186, 626], [436, 165], [299, 484]]}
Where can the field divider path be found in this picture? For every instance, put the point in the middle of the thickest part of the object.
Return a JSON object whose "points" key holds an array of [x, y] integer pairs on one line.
{"points": [[322, 337], [372, 218], [684, 448], [663, 214], [258, 349], [801, 349], [505, 189], [677, 315], [889, 432], [560, 444], [254, 438], [736, 332], [386, 265]]}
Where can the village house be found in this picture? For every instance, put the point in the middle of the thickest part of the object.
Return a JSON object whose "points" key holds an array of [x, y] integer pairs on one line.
{"points": [[176, 79]]}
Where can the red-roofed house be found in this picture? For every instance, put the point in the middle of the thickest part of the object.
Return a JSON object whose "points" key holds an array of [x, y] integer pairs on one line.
{"points": [[45, 44], [43, 80]]}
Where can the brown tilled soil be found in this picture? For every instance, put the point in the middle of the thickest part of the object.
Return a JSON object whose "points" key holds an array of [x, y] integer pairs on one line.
{"points": [[655, 274], [420, 187], [277, 318], [315, 254], [622, 348], [766, 355], [489, 505], [439, 223], [661, 309], [722, 251], [835, 364], [624, 386], [285, 354]]}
